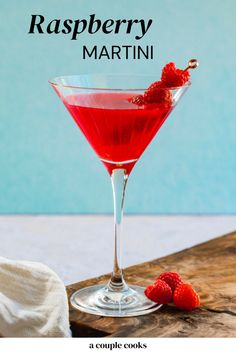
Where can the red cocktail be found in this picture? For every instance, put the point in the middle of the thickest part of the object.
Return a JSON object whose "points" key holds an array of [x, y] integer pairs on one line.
{"points": [[118, 130]]}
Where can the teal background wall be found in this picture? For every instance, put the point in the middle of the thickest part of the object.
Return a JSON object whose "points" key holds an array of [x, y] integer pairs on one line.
{"points": [[46, 166]]}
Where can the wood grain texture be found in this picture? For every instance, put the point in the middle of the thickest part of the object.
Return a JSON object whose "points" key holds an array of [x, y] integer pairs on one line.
{"points": [[209, 267]]}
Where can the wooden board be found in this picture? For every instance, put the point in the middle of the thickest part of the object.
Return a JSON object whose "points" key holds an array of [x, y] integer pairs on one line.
{"points": [[209, 267]]}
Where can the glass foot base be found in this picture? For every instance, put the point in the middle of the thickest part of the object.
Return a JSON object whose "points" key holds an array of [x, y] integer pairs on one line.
{"points": [[100, 300]]}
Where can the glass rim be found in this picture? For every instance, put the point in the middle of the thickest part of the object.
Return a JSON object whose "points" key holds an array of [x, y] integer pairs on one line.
{"points": [[54, 82]]}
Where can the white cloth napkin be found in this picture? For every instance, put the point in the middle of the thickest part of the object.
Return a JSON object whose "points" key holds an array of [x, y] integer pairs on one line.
{"points": [[33, 301]]}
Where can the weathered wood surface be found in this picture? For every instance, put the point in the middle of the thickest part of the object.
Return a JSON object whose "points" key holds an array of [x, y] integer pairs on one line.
{"points": [[211, 269]]}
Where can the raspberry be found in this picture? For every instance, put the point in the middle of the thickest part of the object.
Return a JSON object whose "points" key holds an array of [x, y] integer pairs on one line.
{"points": [[171, 278], [157, 94], [139, 100], [160, 292], [173, 77], [155, 85], [185, 297]]}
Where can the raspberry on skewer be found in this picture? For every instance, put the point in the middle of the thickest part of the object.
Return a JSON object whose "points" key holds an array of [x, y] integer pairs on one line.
{"points": [[174, 77], [159, 92]]}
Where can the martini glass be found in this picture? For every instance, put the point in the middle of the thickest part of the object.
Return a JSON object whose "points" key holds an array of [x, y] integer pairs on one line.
{"points": [[103, 107]]}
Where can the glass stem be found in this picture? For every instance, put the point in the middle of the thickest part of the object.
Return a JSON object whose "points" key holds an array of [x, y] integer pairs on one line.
{"points": [[118, 180]]}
